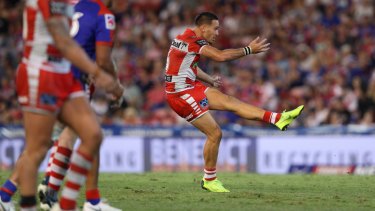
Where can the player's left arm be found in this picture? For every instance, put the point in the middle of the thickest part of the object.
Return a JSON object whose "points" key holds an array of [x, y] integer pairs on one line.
{"points": [[256, 46], [214, 81]]}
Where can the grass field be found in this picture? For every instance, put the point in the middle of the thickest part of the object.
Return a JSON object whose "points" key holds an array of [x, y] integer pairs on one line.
{"points": [[181, 191]]}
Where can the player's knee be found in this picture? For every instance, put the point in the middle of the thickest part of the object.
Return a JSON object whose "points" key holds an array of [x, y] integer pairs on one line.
{"points": [[96, 137], [92, 139], [38, 154], [216, 134]]}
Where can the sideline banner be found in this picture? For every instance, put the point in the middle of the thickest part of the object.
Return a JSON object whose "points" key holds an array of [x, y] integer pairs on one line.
{"points": [[263, 154], [186, 154], [118, 154], [10, 150], [275, 155]]}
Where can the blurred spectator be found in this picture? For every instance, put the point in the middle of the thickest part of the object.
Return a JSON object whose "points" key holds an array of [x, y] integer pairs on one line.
{"points": [[322, 55], [130, 117]]}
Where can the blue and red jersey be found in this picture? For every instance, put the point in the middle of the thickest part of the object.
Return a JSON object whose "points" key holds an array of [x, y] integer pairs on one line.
{"points": [[93, 24]]}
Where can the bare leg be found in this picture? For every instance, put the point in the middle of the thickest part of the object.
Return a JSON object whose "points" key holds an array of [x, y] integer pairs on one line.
{"points": [[38, 130], [80, 118], [67, 138], [14, 177], [208, 126], [219, 101], [93, 176], [211, 129], [78, 115]]}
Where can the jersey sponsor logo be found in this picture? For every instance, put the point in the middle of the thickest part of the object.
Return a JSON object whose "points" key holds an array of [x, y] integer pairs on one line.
{"points": [[168, 78], [180, 45], [202, 42], [203, 103], [110, 22], [48, 99]]}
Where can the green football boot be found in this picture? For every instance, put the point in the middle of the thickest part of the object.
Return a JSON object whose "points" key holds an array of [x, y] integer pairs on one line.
{"points": [[213, 186], [287, 117]]}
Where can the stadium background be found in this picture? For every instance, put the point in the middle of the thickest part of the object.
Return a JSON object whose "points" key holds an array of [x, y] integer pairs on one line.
{"points": [[322, 55]]}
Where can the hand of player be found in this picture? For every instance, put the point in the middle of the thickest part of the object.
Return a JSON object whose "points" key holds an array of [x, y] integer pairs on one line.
{"points": [[118, 96], [216, 81], [104, 80], [259, 46]]}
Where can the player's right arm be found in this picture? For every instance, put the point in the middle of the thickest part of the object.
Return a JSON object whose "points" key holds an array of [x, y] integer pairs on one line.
{"points": [[105, 61], [104, 36], [214, 81], [255, 47]]}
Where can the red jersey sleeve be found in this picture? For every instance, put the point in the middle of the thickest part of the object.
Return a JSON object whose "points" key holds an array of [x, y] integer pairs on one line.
{"points": [[50, 8], [196, 44]]}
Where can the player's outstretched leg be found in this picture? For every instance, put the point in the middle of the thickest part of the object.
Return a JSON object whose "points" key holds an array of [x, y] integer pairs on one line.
{"points": [[211, 129], [220, 101]]}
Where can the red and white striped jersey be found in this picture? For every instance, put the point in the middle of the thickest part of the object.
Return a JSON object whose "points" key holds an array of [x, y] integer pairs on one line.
{"points": [[182, 61], [39, 49]]}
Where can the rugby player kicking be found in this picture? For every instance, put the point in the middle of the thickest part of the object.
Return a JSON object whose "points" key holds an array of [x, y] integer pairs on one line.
{"points": [[192, 100]]}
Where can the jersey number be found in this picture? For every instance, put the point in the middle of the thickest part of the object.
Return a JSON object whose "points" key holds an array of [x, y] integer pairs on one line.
{"points": [[75, 24]]}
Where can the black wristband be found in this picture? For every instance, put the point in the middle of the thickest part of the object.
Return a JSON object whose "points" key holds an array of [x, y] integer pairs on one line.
{"points": [[247, 50]]}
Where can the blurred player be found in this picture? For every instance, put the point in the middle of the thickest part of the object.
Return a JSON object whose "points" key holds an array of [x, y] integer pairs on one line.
{"points": [[93, 28], [9, 188], [191, 100], [47, 91], [96, 37]]}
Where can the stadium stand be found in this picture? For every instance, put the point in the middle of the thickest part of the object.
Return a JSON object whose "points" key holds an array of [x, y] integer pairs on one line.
{"points": [[322, 55]]}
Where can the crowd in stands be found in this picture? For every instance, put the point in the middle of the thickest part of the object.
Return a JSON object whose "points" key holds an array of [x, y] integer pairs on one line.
{"points": [[322, 55]]}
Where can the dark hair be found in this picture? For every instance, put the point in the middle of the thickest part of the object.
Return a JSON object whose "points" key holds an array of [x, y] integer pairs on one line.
{"points": [[205, 18]]}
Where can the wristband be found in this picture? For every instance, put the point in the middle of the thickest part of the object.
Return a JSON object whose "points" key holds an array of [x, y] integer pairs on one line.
{"points": [[247, 50]]}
